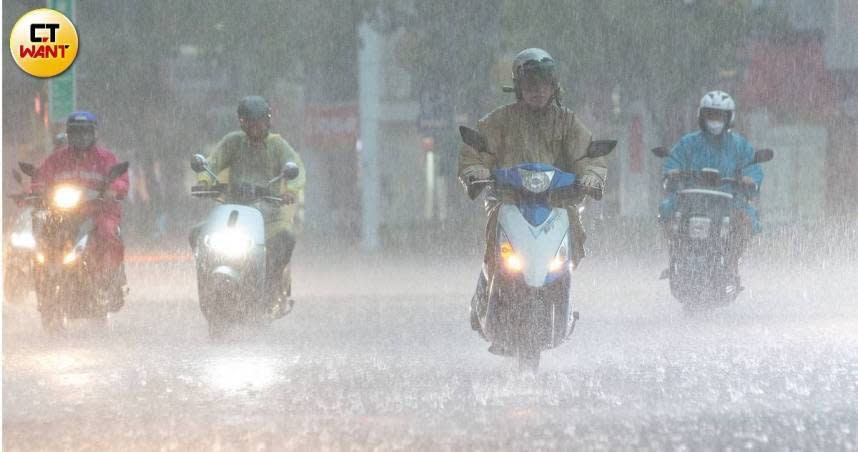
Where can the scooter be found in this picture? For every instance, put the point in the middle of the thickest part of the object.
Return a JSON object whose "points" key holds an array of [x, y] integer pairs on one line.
{"points": [[700, 233], [18, 253], [66, 285], [230, 253], [527, 306]]}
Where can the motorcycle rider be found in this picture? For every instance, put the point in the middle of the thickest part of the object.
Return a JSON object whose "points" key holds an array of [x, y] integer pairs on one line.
{"points": [[254, 156], [716, 146], [534, 129], [84, 162]]}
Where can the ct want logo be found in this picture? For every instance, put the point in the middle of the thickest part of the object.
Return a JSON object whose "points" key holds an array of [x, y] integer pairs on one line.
{"points": [[44, 42]]}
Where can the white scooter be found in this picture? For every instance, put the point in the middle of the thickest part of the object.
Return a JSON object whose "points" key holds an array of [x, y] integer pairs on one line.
{"points": [[230, 253]]}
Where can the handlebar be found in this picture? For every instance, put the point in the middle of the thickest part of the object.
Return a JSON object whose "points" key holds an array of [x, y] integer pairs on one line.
{"points": [[233, 191], [478, 184], [685, 177]]}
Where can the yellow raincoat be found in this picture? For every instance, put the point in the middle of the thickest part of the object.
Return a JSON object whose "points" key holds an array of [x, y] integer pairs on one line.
{"points": [[516, 134], [257, 166]]}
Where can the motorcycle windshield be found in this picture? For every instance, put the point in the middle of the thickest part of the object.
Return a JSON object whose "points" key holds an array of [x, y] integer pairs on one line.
{"points": [[534, 183]]}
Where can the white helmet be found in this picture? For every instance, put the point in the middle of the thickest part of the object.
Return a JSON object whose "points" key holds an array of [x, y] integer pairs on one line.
{"points": [[717, 100]]}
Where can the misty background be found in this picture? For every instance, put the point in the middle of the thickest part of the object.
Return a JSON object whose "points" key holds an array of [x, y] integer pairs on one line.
{"points": [[164, 80]]}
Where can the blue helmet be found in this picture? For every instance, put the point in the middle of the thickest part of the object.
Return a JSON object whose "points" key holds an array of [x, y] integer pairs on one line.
{"points": [[81, 118], [80, 129]]}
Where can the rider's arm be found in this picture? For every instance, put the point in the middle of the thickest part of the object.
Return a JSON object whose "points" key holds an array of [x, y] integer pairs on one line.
{"points": [[219, 159], [754, 172], [674, 163], [118, 189], [469, 156], [44, 174], [679, 157]]}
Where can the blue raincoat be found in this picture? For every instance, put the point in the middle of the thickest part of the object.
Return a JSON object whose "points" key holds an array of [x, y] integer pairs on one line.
{"points": [[726, 153]]}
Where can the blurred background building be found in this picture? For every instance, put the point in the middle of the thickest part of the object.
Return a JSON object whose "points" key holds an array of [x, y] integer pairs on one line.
{"points": [[370, 93]]}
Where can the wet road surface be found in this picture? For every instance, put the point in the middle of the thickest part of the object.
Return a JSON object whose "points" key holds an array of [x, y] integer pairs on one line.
{"points": [[383, 358]]}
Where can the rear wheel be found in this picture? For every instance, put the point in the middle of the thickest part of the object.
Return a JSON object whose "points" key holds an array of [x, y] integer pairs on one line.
{"points": [[528, 361], [54, 319], [53, 312], [218, 328]]}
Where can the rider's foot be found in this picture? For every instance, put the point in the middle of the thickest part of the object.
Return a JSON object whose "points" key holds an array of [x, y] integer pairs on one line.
{"points": [[665, 274], [117, 300], [281, 307], [500, 350]]}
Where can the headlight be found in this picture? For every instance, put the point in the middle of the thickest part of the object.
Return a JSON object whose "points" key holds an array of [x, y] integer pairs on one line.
{"points": [[561, 258], [23, 240], [508, 256], [230, 243], [67, 197], [40, 258], [70, 258], [536, 181]]}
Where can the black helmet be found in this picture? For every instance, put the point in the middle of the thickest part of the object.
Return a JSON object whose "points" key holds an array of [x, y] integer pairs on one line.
{"points": [[253, 108], [531, 64]]}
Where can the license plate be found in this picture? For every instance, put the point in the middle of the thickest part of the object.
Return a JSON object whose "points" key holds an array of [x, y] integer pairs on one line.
{"points": [[698, 227]]}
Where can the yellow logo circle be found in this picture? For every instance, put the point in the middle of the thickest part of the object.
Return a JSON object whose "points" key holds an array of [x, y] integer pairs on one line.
{"points": [[44, 42]]}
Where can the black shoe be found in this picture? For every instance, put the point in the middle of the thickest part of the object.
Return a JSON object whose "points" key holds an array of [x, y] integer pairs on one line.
{"points": [[281, 307], [117, 301], [499, 350]]}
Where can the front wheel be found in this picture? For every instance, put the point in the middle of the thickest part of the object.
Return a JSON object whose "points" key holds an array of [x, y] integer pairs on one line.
{"points": [[218, 328], [528, 361], [54, 319]]}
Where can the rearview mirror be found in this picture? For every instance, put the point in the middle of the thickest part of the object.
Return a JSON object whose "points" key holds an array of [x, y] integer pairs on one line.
{"points": [[117, 170], [660, 152], [291, 170], [600, 148], [198, 163], [474, 139], [763, 155], [27, 168]]}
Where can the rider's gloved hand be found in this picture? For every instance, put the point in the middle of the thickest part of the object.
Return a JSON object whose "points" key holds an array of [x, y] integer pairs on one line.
{"points": [[748, 182], [110, 195], [592, 182], [288, 198], [476, 172]]}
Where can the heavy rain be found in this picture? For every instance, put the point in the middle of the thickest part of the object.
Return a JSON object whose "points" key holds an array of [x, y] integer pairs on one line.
{"points": [[303, 262]]}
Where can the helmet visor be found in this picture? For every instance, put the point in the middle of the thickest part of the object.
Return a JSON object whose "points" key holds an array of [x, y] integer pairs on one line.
{"points": [[714, 114], [534, 74], [80, 136]]}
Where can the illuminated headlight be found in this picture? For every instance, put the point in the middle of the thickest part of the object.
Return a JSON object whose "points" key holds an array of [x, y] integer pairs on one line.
{"points": [[511, 261], [536, 181], [23, 240], [561, 258], [40, 258], [230, 243], [67, 197], [698, 227], [71, 257]]}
